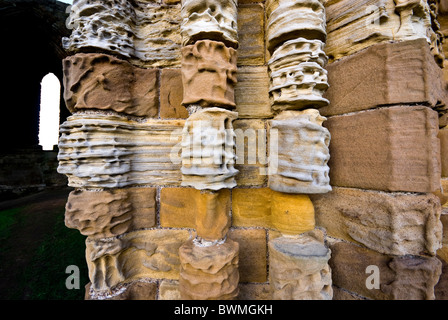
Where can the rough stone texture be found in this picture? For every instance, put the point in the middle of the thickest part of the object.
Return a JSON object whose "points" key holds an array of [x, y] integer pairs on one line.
{"points": [[252, 93], [355, 25], [209, 19], [136, 290], [109, 213], [287, 213], [209, 74], [135, 255], [401, 277], [385, 74], [390, 223], [207, 212], [441, 288], [251, 159], [171, 95], [303, 153], [251, 49], [169, 290], [390, 149], [147, 34], [208, 150], [100, 81], [298, 268], [443, 136], [209, 272], [107, 151], [254, 291], [287, 19], [252, 264]]}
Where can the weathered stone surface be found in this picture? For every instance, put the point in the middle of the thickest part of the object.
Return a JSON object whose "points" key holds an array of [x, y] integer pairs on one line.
{"points": [[209, 272], [390, 223], [254, 291], [287, 19], [441, 288], [100, 81], [287, 213], [443, 136], [298, 269], [251, 159], [342, 294], [208, 150], [169, 290], [112, 212], [252, 254], [391, 149], [107, 151], [401, 277], [207, 212], [209, 74], [209, 19], [298, 87], [135, 290], [147, 34], [355, 25], [303, 153], [252, 93], [251, 49], [171, 95], [385, 74], [135, 255]]}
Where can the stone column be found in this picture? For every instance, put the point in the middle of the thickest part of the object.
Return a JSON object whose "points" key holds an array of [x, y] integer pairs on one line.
{"points": [[209, 263], [295, 35]]}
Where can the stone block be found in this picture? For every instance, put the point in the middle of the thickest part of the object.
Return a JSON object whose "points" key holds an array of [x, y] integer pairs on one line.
{"points": [[252, 254], [252, 93], [208, 150], [135, 290], [251, 51], [112, 212], [287, 19], [441, 288], [385, 74], [390, 149], [298, 269], [209, 74], [302, 151], [251, 158], [108, 151], [254, 291], [287, 213], [148, 34], [171, 95], [400, 277], [209, 272], [100, 81], [390, 223], [209, 19], [140, 254], [169, 290], [356, 25], [207, 212]]}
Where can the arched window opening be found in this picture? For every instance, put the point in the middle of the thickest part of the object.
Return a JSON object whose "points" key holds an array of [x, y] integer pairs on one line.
{"points": [[49, 112]]}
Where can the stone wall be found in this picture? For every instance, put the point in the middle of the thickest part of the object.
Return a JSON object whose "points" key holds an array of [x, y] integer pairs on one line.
{"points": [[256, 150]]}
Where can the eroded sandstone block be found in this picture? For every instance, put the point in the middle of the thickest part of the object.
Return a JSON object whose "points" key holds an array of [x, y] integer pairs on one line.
{"points": [[385, 74], [209, 272], [251, 50], [208, 150], [443, 136], [355, 25], [112, 212], [107, 151], [135, 255], [287, 19], [100, 81], [401, 277], [390, 223], [146, 33], [390, 149], [171, 94], [298, 268], [209, 19], [142, 289], [209, 74], [303, 153]]}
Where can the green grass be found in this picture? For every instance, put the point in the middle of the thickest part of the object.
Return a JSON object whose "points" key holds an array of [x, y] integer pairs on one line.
{"points": [[45, 277]]}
